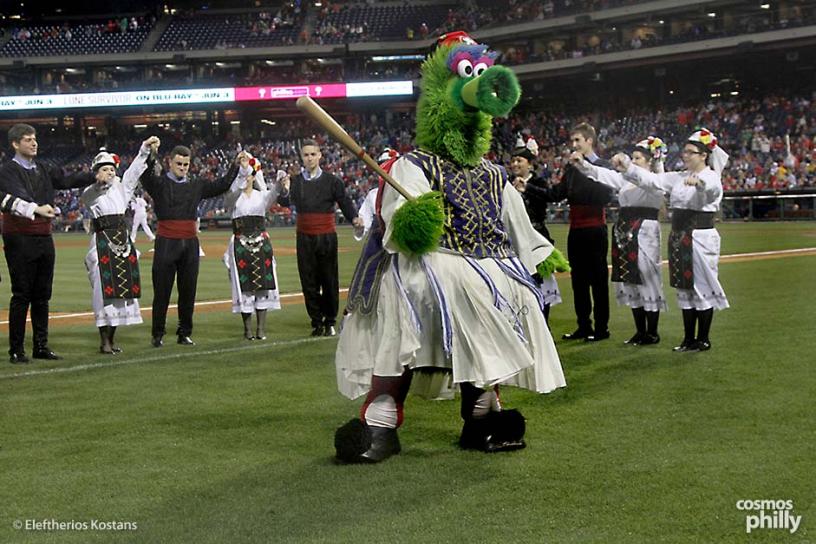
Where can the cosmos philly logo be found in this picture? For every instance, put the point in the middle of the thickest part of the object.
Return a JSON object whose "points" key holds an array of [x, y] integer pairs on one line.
{"points": [[769, 514]]}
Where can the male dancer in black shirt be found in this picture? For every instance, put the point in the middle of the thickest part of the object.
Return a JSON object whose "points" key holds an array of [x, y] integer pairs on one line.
{"points": [[28, 245], [175, 200], [314, 193], [587, 241]]}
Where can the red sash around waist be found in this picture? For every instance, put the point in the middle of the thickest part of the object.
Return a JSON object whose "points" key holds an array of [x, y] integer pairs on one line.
{"points": [[179, 229], [583, 216], [315, 223], [39, 226]]}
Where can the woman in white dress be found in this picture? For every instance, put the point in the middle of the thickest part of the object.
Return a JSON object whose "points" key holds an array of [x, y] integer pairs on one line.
{"points": [[112, 260], [249, 257], [694, 244], [636, 274]]}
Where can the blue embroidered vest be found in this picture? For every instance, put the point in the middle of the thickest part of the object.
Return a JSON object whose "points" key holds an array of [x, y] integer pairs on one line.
{"points": [[473, 205]]}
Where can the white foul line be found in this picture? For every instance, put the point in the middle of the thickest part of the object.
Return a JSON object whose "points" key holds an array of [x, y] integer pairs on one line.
{"points": [[182, 355], [197, 304]]}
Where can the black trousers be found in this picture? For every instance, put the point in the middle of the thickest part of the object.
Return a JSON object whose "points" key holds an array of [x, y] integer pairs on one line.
{"points": [[586, 250], [319, 276], [174, 258], [30, 262]]}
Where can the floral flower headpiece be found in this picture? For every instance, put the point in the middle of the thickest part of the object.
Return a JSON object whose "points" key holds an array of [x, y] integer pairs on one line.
{"points": [[655, 146], [705, 137], [255, 164]]}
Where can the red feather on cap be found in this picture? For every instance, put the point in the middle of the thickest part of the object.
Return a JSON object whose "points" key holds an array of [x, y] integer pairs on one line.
{"points": [[455, 37]]}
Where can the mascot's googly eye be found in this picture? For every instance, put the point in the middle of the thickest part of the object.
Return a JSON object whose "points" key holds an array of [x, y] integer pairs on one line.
{"points": [[479, 69], [464, 68]]}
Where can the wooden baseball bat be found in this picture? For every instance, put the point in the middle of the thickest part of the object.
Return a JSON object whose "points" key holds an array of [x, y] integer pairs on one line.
{"points": [[319, 115]]}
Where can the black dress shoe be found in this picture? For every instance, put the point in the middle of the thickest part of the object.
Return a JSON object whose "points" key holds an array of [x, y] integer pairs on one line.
{"points": [[649, 339], [597, 336], [637, 339], [703, 345], [185, 341], [686, 346], [18, 358], [329, 330], [317, 331], [157, 342], [45, 353], [578, 334]]}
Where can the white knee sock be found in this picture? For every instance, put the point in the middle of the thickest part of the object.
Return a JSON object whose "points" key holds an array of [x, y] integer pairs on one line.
{"points": [[382, 412], [486, 403]]}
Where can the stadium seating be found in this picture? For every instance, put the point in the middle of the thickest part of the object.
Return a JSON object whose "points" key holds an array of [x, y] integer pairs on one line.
{"points": [[388, 22], [89, 39], [228, 31]]}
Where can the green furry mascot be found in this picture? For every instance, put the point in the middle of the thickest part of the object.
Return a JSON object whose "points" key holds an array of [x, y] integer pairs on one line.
{"points": [[444, 284], [455, 121]]}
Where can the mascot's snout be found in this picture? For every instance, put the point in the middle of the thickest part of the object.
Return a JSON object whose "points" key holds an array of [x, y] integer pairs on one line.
{"points": [[494, 92]]}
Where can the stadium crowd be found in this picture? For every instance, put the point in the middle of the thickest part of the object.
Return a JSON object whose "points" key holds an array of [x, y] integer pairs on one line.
{"points": [[613, 39], [753, 130]]}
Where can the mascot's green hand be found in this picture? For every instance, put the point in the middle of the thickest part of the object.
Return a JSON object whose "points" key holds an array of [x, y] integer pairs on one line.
{"points": [[417, 225], [556, 262]]}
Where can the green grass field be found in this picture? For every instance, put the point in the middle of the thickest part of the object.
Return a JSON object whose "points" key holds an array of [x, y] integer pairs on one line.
{"points": [[231, 441]]}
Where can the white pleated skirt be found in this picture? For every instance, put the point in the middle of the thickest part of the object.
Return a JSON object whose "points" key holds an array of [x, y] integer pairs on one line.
{"points": [[441, 300]]}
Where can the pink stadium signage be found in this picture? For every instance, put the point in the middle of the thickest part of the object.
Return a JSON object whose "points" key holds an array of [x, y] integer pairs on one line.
{"points": [[205, 96]]}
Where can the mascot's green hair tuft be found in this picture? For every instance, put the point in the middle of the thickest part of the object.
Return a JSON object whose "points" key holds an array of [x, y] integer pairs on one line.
{"points": [[417, 225]]}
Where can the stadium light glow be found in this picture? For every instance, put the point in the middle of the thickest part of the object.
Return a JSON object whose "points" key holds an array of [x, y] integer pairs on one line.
{"points": [[223, 95], [389, 58], [765, 6]]}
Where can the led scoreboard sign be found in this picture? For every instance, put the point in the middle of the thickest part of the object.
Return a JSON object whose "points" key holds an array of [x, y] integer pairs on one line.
{"points": [[226, 95]]}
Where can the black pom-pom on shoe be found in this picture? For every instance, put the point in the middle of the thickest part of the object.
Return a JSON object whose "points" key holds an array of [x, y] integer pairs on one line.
{"points": [[357, 442], [498, 431]]}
